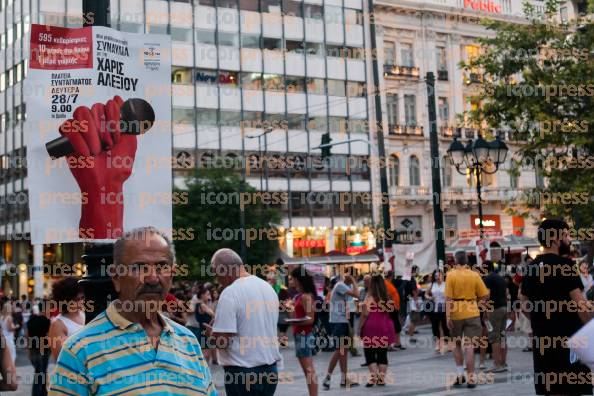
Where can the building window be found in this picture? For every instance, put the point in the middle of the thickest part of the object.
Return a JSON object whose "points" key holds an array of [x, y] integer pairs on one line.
{"points": [[392, 110], [315, 86], [205, 76], [336, 88], [227, 3], [209, 3], [514, 174], [271, 6], [355, 89], [251, 81], [271, 44], [295, 84], [181, 75], [228, 39], [249, 5], [273, 82], [444, 110], [206, 117], [406, 55], [250, 41], [389, 53], [414, 171], [564, 16], [312, 11], [183, 116], [540, 182], [333, 14], [295, 47], [451, 225], [292, 8], [205, 36], [410, 110], [394, 170], [442, 60], [230, 118], [314, 49], [353, 17], [446, 172], [181, 34]]}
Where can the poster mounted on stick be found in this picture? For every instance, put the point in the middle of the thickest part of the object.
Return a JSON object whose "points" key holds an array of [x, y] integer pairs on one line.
{"points": [[98, 134]]}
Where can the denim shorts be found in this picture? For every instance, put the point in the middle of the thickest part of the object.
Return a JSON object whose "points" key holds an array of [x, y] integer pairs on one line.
{"points": [[339, 329], [304, 345]]}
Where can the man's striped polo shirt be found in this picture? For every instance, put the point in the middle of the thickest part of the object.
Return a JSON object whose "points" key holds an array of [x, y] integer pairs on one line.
{"points": [[113, 356]]}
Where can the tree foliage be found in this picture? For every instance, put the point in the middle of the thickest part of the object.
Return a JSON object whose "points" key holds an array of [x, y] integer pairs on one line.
{"points": [[213, 213], [538, 81]]}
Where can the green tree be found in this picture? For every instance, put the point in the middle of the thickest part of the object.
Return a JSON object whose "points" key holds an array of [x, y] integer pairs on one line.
{"points": [[538, 81], [213, 212]]}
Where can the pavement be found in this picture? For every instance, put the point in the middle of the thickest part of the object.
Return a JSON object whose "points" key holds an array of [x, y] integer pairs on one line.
{"points": [[418, 370]]}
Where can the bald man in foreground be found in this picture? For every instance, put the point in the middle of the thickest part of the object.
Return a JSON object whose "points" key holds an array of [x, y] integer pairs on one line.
{"points": [[244, 329]]}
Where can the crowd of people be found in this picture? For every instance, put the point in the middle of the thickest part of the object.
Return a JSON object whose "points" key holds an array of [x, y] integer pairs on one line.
{"points": [[240, 322]]}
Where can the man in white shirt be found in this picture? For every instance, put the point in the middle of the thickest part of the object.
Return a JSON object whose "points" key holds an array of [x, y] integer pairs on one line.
{"points": [[244, 329]]}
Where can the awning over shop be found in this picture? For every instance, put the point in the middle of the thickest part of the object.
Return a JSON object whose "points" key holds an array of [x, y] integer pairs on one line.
{"points": [[332, 260], [511, 243]]}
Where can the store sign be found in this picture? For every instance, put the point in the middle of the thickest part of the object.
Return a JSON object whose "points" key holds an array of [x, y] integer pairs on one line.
{"points": [[356, 249], [490, 222], [212, 78], [309, 243], [483, 5]]}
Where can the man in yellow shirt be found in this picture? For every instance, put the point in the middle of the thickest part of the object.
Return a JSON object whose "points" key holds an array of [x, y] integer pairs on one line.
{"points": [[464, 289]]}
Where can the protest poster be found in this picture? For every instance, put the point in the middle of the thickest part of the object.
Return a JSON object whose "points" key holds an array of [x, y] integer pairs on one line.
{"points": [[98, 134]]}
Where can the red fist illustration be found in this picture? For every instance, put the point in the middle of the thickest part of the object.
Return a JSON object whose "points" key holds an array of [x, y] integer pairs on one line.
{"points": [[101, 162]]}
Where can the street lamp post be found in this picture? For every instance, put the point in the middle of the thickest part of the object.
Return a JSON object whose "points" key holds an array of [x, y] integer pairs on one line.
{"points": [[478, 156]]}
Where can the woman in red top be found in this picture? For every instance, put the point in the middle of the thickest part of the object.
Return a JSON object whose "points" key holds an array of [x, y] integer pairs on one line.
{"points": [[304, 309]]}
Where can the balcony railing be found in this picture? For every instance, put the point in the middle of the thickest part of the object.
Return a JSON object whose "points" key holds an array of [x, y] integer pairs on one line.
{"points": [[406, 130], [421, 193], [442, 75], [401, 71]]}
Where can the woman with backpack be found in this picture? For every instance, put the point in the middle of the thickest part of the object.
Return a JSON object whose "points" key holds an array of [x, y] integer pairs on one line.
{"points": [[304, 309]]}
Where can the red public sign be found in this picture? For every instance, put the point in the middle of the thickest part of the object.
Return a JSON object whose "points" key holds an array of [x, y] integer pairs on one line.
{"points": [[309, 243], [483, 5]]}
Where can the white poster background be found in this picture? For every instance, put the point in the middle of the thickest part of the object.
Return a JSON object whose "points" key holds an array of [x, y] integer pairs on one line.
{"points": [[147, 192]]}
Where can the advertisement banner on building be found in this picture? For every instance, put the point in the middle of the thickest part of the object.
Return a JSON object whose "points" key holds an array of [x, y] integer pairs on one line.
{"points": [[98, 133]]}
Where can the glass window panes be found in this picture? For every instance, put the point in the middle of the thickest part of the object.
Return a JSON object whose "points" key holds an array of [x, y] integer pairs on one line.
{"points": [[392, 109], [446, 174], [295, 84], [130, 27], [227, 3], [271, 43], [316, 49], [313, 11], [181, 75], [414, 171], [315, 86], [228, 39], [273, 82], [205, 36], [406, 54], [442, 60], [206, 2], [271, 6], [251, 81], [337, 124], [410, 109], [250, 40], [358, 126], [181, 34], [336, 51], [228, 78], [292, 8], [317, 123], [206, 117], [354, 52], [389, 53], [353, 17], [443, 109], [355, 89], [336, 88], [206, 76], [252, 119], [294, 46], [183, 116], [394, 170], [156, 29], [333, 14], [249, 5], [230, 118], [296, 121]]}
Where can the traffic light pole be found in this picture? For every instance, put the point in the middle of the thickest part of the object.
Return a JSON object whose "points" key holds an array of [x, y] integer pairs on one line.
{"points": [[380, 136], [435, 177], [96, 283]]}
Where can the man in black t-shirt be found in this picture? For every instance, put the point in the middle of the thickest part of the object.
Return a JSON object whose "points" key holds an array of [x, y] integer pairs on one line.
{"points": [[552, 298], [496, 315], [37, 341]]}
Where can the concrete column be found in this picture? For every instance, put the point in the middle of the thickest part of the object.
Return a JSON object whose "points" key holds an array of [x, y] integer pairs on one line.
{"points": [[38, 270]]}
